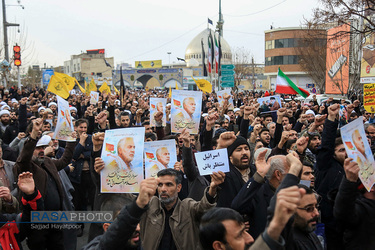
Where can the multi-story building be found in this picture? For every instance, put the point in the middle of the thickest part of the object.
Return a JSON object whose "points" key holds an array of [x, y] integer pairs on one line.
{"points": [[281, 51], [92, 64]]}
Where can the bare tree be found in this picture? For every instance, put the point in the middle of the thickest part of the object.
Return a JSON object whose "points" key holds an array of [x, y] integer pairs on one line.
{"points": [[342, 12], [312, 56], [241, 59]]}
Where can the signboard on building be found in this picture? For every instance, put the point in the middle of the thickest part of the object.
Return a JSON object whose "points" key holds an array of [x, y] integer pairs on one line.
{"points": [[368, 58], [337, 62], [148, 64], [95, 51]]}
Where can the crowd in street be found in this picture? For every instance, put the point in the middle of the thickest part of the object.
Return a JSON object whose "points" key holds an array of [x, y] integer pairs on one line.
{"points": [[290, 183]]}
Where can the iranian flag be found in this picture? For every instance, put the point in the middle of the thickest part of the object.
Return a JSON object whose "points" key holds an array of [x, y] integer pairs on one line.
{"points": [[285, 86], [216, 56], [209, 57]]}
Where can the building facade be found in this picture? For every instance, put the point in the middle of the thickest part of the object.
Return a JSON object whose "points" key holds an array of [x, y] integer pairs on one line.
{"points": [[281, 51], [92, 64]]}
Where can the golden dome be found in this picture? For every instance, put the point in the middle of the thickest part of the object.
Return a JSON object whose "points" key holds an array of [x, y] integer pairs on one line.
{"points": [[194, 49]]}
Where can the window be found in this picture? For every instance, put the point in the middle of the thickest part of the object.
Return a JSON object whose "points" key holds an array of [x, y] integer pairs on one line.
{"points": [[281, 60]]}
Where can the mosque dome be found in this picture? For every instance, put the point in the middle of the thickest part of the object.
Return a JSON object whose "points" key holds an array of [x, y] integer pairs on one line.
{"points": [[194, 49]]}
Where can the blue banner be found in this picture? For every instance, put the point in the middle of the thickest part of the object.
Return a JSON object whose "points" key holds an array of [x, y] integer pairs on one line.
{"points": [[46, 74]]}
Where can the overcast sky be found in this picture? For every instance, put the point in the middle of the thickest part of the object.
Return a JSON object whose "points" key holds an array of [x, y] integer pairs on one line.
{"points": [[51, 31]]}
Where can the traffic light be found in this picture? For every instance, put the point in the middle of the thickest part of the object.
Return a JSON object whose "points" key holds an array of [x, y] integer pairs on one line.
{"points": [[17, 55]]}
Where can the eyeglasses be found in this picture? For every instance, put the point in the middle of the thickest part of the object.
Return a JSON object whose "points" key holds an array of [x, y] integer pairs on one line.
{"points": [[309, 209]]}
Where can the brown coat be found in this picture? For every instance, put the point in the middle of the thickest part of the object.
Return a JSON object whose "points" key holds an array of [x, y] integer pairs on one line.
{"points": [[184, 223], [24, 163]]}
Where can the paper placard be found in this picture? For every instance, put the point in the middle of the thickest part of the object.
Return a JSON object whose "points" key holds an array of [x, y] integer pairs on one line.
{"points": [[64, 127], [212, 161], [159, 155], [156, 105], [122, 154], [94, 97], [220, 97], [270, 103], [186, 111], [357, 147]]}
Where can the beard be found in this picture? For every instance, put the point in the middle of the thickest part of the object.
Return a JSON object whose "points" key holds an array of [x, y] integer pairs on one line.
{"points": [[313, 150], [238, 163], [169, 199], [133, 244], [303, 225], [38, 160]]}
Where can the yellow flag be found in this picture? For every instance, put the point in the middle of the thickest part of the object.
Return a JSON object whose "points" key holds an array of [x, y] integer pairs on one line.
{"points": [[116, 90], [80, 87], [57, 86], [203, 85], [105, 88], [91, 87], [176, 85], [69, 81], [170, 92]]}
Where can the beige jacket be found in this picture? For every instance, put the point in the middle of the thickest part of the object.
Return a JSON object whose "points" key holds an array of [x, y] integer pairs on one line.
{"points": [[184, 223]]}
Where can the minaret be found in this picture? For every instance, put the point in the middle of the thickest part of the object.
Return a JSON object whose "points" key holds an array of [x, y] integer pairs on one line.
{"points": [[219, 26]]}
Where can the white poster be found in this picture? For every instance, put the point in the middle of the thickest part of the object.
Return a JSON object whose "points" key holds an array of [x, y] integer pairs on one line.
{"points": [[212, 161], [64, 127], [122, 154], [159, 155], [186, 111], [357, 147]]}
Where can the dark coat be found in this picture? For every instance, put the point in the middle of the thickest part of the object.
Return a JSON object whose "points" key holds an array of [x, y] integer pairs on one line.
{"points": [[329, 173], [294, 238], [78, 162], [253, 201], [355, 213], [24, 163], [120, 231]]}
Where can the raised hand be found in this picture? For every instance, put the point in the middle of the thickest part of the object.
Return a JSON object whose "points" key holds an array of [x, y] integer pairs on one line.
{"points": [[26, 183], [351, 170], [37, 128], [295, 165], [146, 191], [302, 144], [333, 112], [98, 165], [97, 141], [185, 136], [261, 163], [226, 139]]}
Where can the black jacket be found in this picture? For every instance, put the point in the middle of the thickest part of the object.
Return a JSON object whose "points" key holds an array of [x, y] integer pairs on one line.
{"points": [[253, 200], [356, 214], [120, 231], [294, 238], [329, 173]]}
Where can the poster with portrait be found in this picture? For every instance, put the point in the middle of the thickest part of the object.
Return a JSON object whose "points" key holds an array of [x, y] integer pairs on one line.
{"points": [[159, 155], [357, 147], [186, 110], [220, 97], [94, 97], [64, 127], [212, 161], [122, 154], [269, 103], [157, 105]]}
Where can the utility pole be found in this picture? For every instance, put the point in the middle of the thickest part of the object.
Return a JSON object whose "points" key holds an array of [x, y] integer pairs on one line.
{"points": [[5, 28], [219, 29], [253, 73]]}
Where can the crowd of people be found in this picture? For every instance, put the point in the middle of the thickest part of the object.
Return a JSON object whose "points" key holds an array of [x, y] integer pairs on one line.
{"points": [[290, 183]]}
